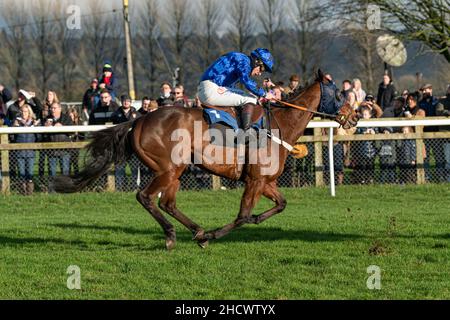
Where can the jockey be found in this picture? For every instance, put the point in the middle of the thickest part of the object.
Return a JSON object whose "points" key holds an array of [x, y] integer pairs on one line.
{"points": [[217, 85]]}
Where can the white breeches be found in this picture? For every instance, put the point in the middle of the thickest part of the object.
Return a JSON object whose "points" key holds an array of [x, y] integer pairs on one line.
{"points": [[209, 93]]}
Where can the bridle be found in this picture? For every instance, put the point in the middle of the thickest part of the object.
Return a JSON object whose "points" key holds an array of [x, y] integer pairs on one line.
{"points": [[328, 115], [306, 109], [340, 117]]}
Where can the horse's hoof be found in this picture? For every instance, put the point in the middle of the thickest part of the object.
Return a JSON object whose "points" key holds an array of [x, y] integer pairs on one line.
{"points": [[253, 219], [199, 235], [203, 244], [170, 244]]}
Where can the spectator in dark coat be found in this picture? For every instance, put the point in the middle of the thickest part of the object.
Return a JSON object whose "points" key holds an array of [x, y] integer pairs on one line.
{"points": [[412, 108], [407, 158], [387, 151], [44, 155], [108, 80], [126, 113], [444, 110], [348, 94], [180, 99], [56, 119], [25, 158], [91, 96], [346, 89], [24, 97], [364, 153], [166, 97], [396, 108], [5, 96], [75, 137], [104, 109], [145, 106], [430, 105], [386, 92]]}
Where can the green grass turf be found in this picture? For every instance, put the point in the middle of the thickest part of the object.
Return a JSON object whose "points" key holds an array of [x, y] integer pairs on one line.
{"points": [[318, 248]]}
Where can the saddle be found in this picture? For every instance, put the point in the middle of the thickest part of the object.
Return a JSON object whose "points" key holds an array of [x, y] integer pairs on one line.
{"points": [[231, 116]]}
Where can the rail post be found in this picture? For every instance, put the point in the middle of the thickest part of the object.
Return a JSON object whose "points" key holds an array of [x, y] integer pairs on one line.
{"points": [[111, 180], [5, 166], [331, 161], [419, 155], [111, 175], [216, 183], [318, 156]]}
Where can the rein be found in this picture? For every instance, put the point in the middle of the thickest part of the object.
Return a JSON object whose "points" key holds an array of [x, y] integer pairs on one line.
{"points": [[306, 109]]}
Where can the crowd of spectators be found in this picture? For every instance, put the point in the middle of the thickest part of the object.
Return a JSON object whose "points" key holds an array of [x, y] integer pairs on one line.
{"points": [[100, 105], [361, 156]]}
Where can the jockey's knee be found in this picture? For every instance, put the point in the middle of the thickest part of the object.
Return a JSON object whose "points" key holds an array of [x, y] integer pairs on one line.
{"points": [[248, 107], [248, 100]]}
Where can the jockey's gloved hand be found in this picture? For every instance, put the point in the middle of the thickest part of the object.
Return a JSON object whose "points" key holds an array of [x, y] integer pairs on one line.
{"points": [[262, 101], [269, 96]]}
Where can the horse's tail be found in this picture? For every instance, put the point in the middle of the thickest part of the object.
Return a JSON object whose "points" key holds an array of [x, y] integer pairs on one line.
{"points": [[111, 145]]}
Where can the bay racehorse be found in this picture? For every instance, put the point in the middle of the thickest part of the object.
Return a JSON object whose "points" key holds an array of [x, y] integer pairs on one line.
{"points": [[151, 139]]}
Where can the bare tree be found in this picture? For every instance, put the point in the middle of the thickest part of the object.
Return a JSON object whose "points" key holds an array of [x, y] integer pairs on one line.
{"points": [[310, 47], [351, 26], [180, 26], [15, 49], [42, 29], [65, 53], [367, 61], [271, 17], [242, 26], [149, 34], [114, 49], [96, 32], [427, 21], [211, 19]]}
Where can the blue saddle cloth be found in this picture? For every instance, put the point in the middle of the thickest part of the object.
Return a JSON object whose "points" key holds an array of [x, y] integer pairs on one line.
{"points": [[214, 116]]}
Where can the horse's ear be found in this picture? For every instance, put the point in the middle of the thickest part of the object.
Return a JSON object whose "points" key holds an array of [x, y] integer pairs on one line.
{"points": [[320, 75]]}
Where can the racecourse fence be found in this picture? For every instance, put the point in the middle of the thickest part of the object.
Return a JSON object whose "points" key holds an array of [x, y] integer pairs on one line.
{"points": [[391, 155]]}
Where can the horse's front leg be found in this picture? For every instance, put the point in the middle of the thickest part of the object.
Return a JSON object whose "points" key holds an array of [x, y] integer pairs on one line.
{"points": [[252, 193]]}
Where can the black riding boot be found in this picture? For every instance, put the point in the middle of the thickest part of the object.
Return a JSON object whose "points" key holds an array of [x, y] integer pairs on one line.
{"points": [[246, 121], [246, 116]]}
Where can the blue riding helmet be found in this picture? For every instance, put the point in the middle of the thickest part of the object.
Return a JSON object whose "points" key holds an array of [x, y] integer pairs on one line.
{"points": [[265, 56]]}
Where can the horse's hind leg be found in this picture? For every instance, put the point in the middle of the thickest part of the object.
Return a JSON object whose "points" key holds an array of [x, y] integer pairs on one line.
{"points": [[147, 198], [168, 204], [271, 192]]}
